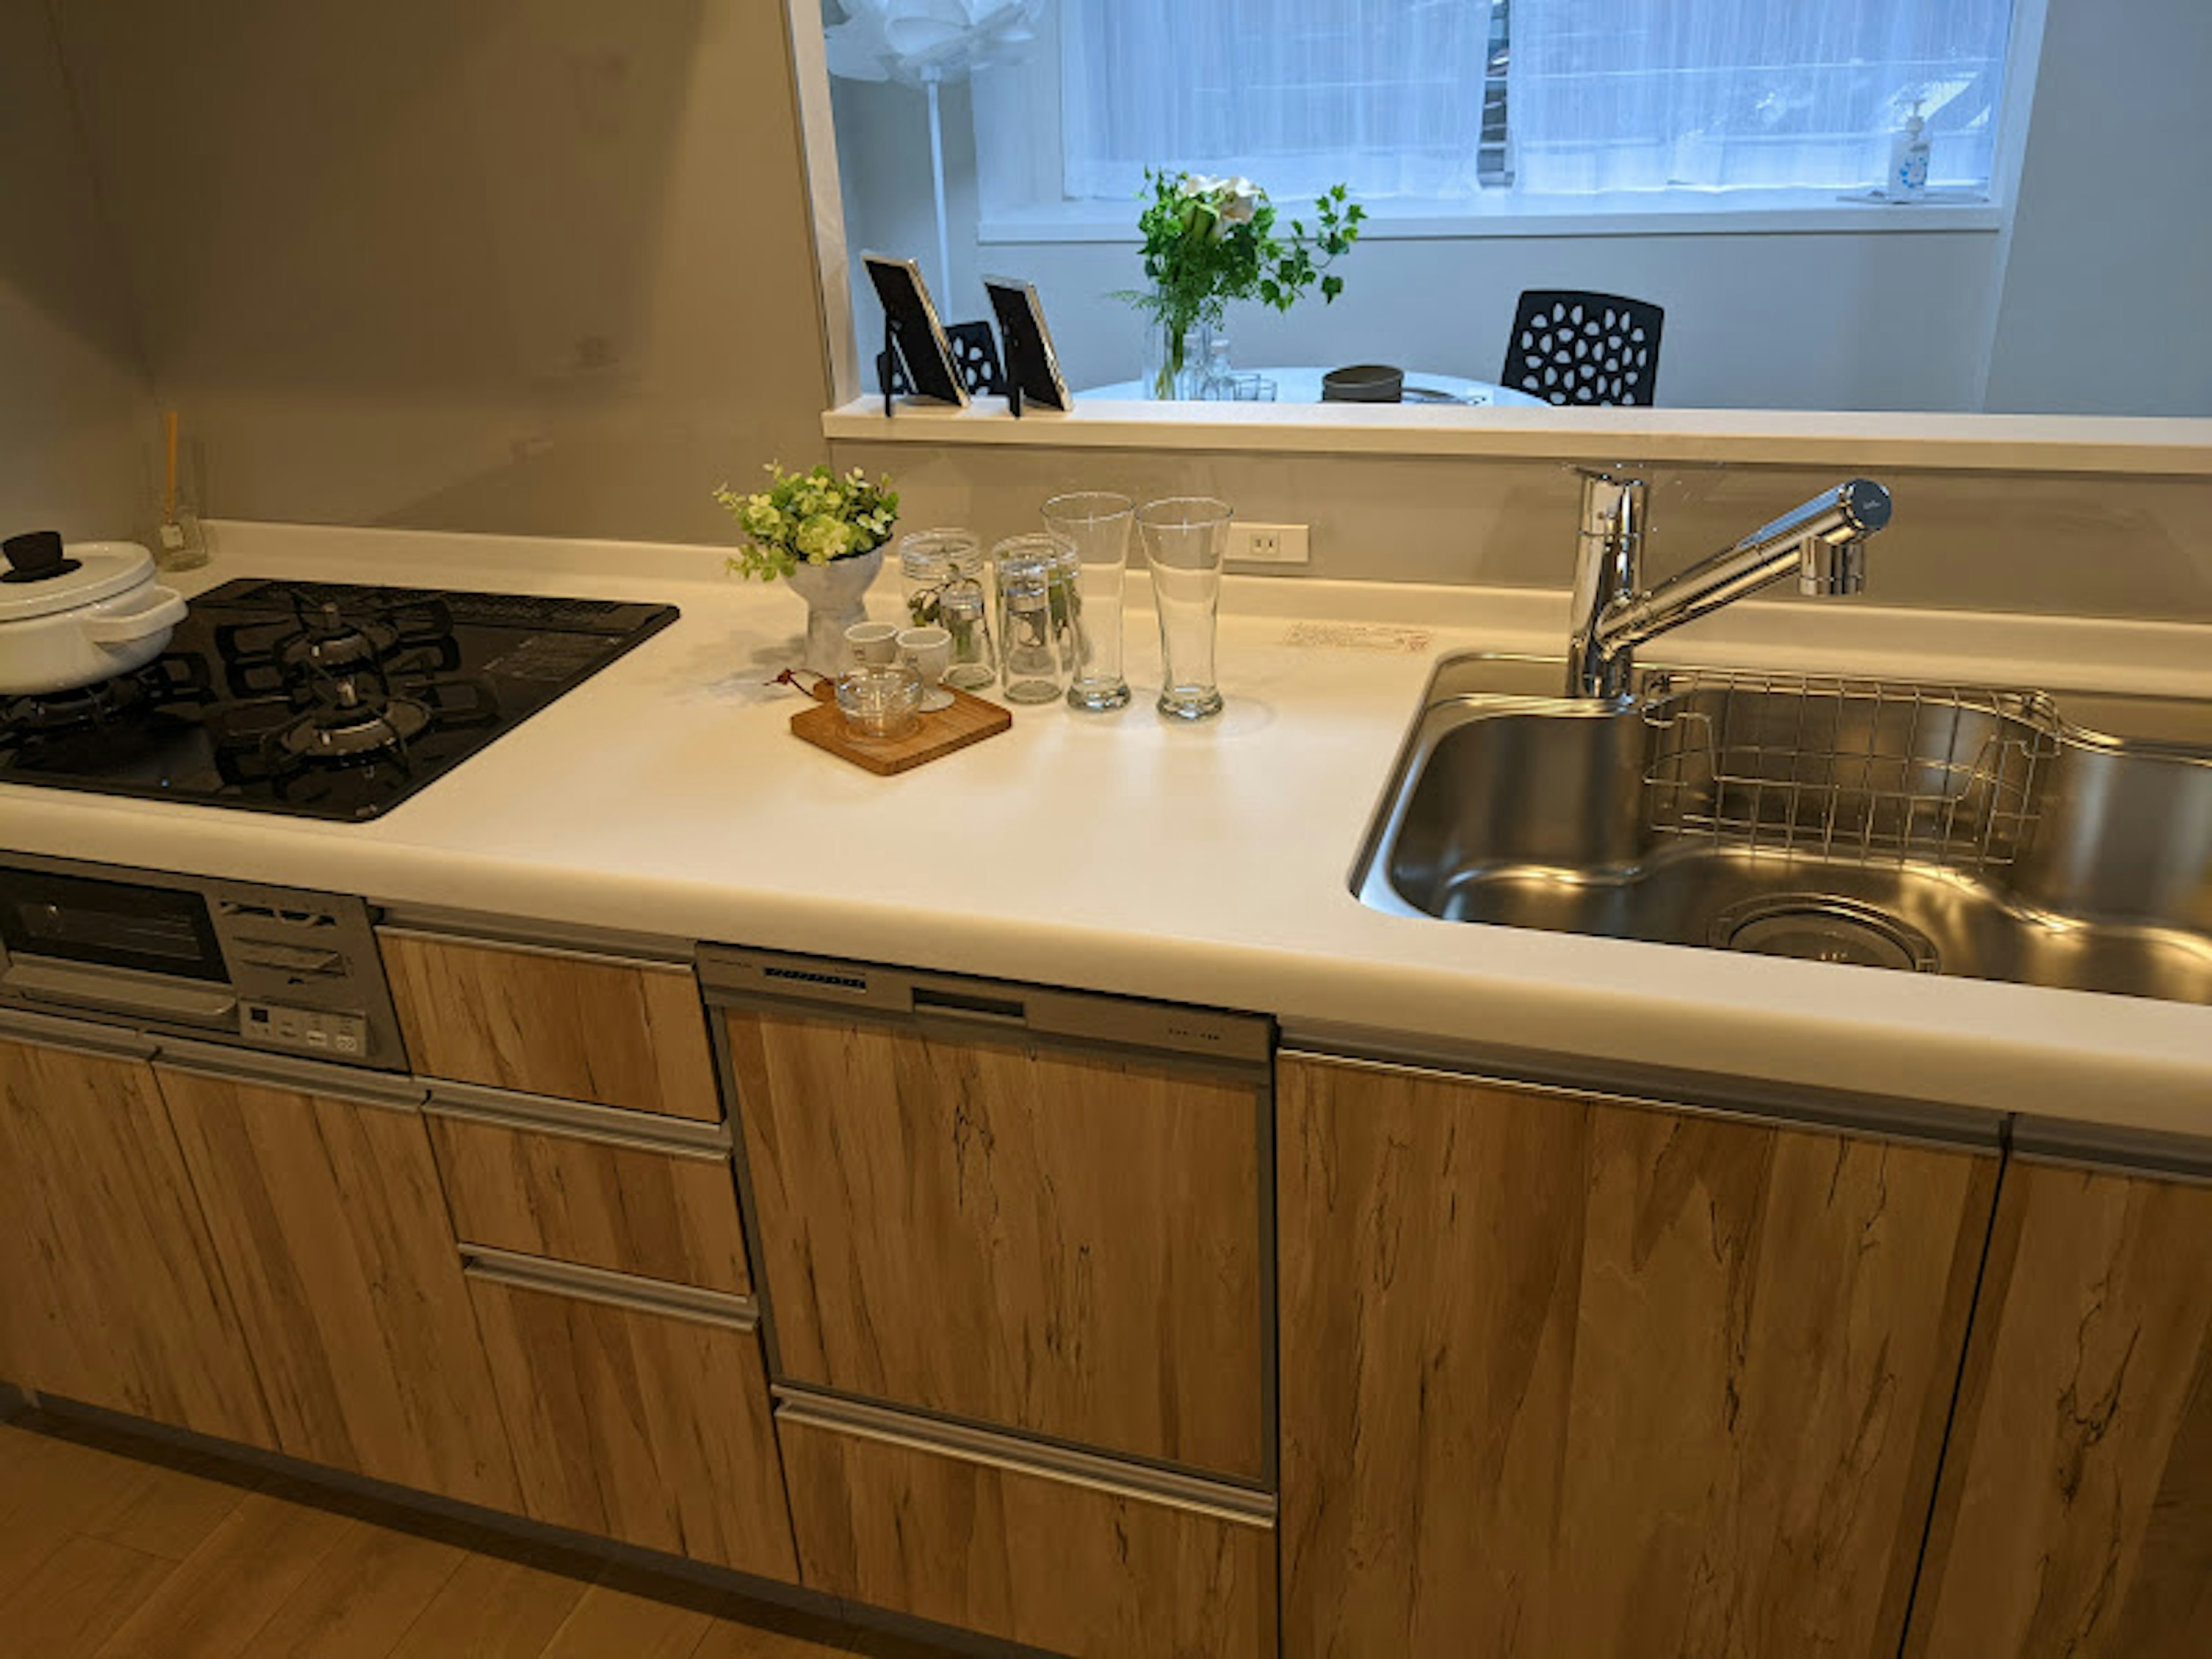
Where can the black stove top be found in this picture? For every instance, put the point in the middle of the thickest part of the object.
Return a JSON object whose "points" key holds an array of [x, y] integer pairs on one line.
{"points": [[319, 699]]}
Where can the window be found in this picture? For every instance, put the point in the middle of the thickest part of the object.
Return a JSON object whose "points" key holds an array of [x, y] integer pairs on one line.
{"points": [[1442, 106], [1724, 94]]}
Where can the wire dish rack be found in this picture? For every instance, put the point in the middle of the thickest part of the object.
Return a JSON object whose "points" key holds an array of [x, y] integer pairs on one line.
{"points": [[1861, 770]]}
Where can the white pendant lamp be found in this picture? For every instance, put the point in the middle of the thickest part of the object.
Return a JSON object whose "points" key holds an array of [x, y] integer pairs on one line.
{"points": [[925, 43]]}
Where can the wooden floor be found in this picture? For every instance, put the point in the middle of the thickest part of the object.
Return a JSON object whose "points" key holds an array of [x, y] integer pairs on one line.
{"points": [[112, 1547]]}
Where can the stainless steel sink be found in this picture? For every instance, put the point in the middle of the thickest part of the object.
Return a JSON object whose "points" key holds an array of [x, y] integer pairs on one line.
{"points": [[2046, 839]]}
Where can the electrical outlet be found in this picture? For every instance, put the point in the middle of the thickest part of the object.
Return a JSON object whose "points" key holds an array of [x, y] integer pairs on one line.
{"points": [[1267, 544]]}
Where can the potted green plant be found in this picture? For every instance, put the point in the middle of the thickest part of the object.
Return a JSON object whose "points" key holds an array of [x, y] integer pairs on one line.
{"points": [[1211, 240], [823, 534]]}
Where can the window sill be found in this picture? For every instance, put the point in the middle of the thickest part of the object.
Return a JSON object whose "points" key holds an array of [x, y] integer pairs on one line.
{"points": [[1993, 443], [1692, 213]]}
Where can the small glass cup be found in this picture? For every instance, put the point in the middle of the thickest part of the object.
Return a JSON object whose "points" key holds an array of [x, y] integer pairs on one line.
{"points": [[1029, 571], [1185, 537], [1093, 527], [880, 700]]}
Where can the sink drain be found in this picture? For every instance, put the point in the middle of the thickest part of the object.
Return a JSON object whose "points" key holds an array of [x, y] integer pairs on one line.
{"points": [[1815, 927]]}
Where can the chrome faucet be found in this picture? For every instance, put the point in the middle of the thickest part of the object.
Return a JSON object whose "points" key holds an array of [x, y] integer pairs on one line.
{"points": [[1824, 541]]}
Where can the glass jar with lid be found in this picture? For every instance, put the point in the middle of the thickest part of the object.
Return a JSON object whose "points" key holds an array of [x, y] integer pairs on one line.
{"points": [[941, 573]]}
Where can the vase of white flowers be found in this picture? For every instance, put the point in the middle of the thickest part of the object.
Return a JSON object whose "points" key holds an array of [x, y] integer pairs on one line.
{"points": [[1211, 240], [823, 534]]}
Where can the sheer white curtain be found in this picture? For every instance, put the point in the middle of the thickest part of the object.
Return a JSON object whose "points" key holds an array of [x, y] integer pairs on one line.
{"points": [[1384, 95], [1605, 95], [1653, 94]]}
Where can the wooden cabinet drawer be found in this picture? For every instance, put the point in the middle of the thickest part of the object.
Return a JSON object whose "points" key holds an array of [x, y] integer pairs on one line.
{"points": [[1059, 1242], [619, 1032], [638, 1411], [1055, 1550], [551, 1178]]}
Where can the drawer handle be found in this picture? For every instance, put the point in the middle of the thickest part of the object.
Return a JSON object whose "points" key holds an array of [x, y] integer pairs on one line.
{"points": [[967, 1004], [576, 1120], [966, 1443], [624, 1291], [74, 1036], [354, 1087]]}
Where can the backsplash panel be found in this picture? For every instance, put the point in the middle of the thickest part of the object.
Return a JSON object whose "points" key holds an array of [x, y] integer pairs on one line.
{"points": [[2086, 545]]}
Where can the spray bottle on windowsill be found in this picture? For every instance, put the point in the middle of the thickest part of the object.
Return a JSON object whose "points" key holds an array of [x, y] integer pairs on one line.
{"points": [[1908, 159]]}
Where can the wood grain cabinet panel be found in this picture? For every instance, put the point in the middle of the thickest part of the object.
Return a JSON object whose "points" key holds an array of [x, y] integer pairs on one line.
{"points": [[1566, 1377], [1010, 1234], [628, 1208], [113, 1293], [2075, 1516], [645, 1425], [1076, 1569], [331, 1229], [584, 1028]]}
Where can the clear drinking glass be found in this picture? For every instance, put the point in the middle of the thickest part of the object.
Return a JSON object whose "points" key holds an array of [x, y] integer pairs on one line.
{"points": [[964, 611], [1185, 537], [880, 700], [1093, 528], [1027, 572]]}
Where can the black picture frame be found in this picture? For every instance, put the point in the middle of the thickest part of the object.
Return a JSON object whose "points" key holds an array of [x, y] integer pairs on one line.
{"points": [[1032, 365], [913, 337]]}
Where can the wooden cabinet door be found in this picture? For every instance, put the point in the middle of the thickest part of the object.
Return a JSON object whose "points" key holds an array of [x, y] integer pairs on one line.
{"points": [[628, 1034], [638, 1410], [328, 1219], [1569, 1377], [2076, 1515], [1011, 1234], [112, 1290], [1076, 1560]]}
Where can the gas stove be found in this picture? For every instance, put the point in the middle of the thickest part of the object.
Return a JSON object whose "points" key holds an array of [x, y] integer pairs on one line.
{"points": [[318, 699]]}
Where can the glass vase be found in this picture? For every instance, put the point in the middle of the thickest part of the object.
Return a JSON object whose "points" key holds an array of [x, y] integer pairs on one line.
{"points": [[1175, 359]]}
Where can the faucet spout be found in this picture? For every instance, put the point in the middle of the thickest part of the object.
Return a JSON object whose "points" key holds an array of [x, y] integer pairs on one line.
{"points": [[1823, 540]]}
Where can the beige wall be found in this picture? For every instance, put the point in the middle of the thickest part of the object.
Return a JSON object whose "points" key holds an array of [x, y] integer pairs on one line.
{"points": [[2080, 544], [77, 416], [531, 267]]}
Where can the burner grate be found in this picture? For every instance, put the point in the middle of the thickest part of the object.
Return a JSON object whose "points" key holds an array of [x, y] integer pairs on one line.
{"points": [[502, 610]]}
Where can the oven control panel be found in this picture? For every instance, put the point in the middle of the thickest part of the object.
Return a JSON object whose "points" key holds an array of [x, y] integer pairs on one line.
{"points": [[310, 1030], [270, 968]]}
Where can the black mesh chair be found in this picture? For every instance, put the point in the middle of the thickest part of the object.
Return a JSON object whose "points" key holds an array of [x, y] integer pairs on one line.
{"points": [[975, 358], [1583, 348]]}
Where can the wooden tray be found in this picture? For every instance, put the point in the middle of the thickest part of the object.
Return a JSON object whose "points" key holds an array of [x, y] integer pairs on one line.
{"points": [[971, 719]]}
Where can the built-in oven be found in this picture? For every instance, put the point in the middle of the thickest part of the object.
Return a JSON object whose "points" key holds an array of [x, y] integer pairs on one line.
{"points": [[276, 968]]}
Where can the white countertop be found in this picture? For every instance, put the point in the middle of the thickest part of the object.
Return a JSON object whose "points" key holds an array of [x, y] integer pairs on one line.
{"points": [[1124, 853], [1860, 439]]}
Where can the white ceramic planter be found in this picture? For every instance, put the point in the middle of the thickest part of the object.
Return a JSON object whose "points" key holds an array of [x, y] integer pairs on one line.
{"points": [[833, 593], [105, 617]]}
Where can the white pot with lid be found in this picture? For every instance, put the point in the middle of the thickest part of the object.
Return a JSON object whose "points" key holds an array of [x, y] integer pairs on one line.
{"points": [[74, 615]]}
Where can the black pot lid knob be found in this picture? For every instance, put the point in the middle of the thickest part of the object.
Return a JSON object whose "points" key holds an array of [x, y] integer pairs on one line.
{"points": [[35, 555]]}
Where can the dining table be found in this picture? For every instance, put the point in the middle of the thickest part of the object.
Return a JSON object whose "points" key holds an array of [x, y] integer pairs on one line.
{"points": [[1301, 384]]}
